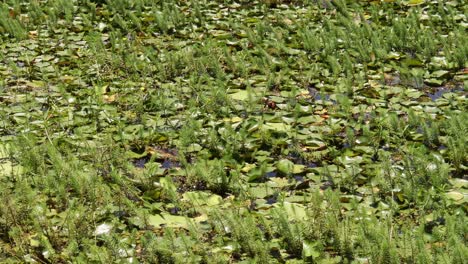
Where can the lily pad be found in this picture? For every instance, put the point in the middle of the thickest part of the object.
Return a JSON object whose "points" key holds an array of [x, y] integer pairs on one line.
{"points": [[243, 95], [202, 198], [278, 127], [168, 220], [295, 211], [415, 2], [455, 196], [310, 249], [285, 166]]}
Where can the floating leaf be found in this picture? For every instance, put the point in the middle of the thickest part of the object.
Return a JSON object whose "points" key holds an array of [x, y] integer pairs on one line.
{"points": [[414, 93], [168, 220], [202, 198], [8, 168], [4, 150], [298, 168], [242, 95], [455, 196], [295, 211], [194, 147], [315, 145], [459, 183], [415, 2], [439, 73], [278, 127], [34, 242], [433, 82], [234, 119], [308, 119], [309, 249], [285, 166], [261, 191], [278, 182], [248, 167], [220, 34]]}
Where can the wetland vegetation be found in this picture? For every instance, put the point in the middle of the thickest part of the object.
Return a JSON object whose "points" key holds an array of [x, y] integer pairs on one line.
{"points": [[265, 131]]}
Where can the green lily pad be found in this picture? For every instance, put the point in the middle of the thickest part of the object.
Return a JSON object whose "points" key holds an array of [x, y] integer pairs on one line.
{"points": [[434, 82], [414, 93], [459, 183], [455, 196], [315, 144], [34, 242], [194, 147], [299, 168], [9, 168], [278, 182], [439, 74], [243, 95], [278, 127], [295, 211], [308, 119], [220, 34], [310, 249], [168, 220], [4, 150], [285, 166], [202, 198], [261, 191], [415, 2]]}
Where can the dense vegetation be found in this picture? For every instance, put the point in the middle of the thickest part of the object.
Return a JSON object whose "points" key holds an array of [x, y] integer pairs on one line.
{"points": [[263, 131]]}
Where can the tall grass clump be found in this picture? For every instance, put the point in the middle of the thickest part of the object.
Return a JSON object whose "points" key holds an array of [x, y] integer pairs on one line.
{"points": [[455, 128], [246, 234], [10, 23]]}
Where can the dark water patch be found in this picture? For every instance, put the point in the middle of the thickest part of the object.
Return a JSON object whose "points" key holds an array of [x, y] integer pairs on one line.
{"points": [[141, 162], [441, 147], [121, 213], [323, 97], [169, 164], [174, 210], [438, 92], [296, 157], [420, 130], [316, 95], [429, 226], [327, 185], [272, 199], [299, 178], [271, 174], [346, 145]]}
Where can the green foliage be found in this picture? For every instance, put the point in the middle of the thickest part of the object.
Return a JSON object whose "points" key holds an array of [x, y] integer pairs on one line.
{"points": [[233, 131]]}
